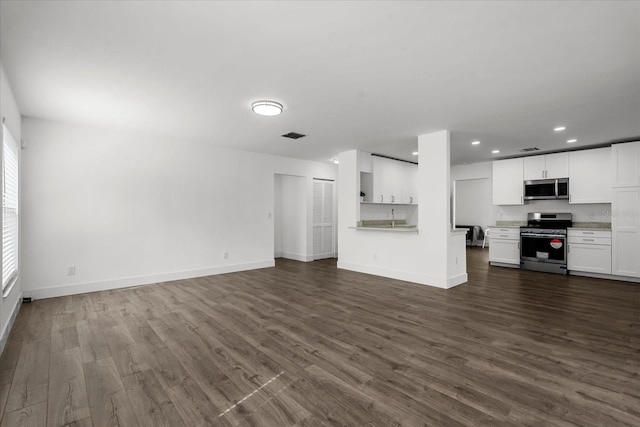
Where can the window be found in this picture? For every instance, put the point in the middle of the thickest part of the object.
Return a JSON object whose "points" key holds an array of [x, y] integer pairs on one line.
{"points": [[9, 209]]}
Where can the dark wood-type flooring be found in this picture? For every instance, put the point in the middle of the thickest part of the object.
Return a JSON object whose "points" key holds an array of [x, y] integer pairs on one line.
{"points": [[305, 344]]}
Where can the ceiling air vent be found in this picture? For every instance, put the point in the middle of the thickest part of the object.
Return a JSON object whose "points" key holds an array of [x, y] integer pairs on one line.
{"points": [[530, 149], [293, 135]]}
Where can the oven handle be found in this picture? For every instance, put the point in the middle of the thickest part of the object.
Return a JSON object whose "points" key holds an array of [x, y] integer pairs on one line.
{"points": [[556, 236]]}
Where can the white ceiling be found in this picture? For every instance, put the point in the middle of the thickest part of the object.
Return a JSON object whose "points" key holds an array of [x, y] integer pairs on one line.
{"points": [[365, 75]]}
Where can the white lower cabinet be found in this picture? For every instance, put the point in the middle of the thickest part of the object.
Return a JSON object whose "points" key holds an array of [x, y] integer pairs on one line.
{"points": [[589, 251], [504, 246]]}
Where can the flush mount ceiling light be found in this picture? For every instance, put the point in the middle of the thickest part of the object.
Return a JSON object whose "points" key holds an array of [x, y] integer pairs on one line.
{"points": [[475, 143], [267, 108], [415, 153], [495, 151], [571, 141], [559, 129], [335, 161]]}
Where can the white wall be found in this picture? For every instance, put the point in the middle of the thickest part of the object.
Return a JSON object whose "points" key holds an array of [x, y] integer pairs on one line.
{"points": [[9, 111], [291, 218], [433, 256], [129, 209], [472, 207], [599, 212]]}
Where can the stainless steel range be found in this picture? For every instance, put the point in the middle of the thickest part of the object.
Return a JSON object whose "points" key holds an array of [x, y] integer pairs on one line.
{"points": [[543, 242]]}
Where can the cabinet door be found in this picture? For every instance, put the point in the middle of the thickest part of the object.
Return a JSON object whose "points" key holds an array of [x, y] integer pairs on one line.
{"points": [[626, 164], [625, 231], [504, 251], [411, 185], [397, 180], [590, 176], [507, 182], [378, 179], [534, 167], [556, 165], [589, 258]]}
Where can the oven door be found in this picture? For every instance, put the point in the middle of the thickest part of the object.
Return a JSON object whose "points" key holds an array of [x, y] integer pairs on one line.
{"points": [[543, 247]]}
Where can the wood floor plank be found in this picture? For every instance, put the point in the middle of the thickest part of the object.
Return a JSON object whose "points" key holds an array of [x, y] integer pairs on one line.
{"points": [[67, 400], [194, 405], [150, 402], [6, 377], [31, 378], [30, 416], [91, 340], [108, 400]]}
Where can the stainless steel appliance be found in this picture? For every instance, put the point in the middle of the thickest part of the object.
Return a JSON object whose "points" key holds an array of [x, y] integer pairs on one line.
{"points": [[543, 242], [544, 189]]}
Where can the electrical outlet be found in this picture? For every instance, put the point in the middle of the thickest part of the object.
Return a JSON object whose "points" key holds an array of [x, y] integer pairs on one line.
{"points": [[71, 270], [225, 255]]}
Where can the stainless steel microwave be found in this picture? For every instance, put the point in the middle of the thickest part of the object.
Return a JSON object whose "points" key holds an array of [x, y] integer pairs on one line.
{"points": [[545, 189]]}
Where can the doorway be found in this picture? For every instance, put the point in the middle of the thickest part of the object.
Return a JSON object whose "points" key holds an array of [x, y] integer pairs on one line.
{"points": [[324, 228], [290, 217]]}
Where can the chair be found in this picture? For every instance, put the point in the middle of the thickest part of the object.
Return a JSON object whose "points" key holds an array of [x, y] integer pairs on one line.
{"points": [[486, 234]]}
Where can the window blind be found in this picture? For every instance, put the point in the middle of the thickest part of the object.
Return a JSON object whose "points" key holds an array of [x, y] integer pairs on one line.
{"points": [[9, 208]]}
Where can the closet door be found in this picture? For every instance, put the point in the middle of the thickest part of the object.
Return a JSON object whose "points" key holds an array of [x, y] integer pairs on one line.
{"points": [[323, 219]]}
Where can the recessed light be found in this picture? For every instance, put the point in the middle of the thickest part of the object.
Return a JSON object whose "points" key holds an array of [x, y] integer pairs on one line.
{"points": [[571, 141], [267, 108], [335, 161], [415, 153], [559, 129], [495, 151], [475, 143]]}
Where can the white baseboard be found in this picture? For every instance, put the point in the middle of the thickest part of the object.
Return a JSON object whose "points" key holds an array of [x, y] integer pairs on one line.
{"points": [[457, 280], [296, 257], [605, 276], [395, 274], [80, 288], [4, 336]]}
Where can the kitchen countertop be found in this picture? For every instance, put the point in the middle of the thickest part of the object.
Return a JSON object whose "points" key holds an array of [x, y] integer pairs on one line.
{"points": [[512, 224], [405, 229], [591, 225], [385, 225]]}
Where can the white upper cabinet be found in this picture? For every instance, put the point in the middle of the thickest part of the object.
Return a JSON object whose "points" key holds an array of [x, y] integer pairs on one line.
{"points": [[410, 195], [508, 182], [549, 166], [534, 167], [394, 181], [590, 176], [378, 164], [625, 164]]}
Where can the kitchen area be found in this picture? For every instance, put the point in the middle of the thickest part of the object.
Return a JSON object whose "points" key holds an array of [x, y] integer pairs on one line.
{"points": [[394, 216], [574, 212]]}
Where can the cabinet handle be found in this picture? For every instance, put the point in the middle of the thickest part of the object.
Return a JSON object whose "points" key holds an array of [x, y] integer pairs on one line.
{"points": [[410, 199], [393, 199], [381, 198], [587, 232], [588, 240], [568, 249]]}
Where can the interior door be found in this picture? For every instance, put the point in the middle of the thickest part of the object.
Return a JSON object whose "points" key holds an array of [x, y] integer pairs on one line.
{"points": [[323, 219]]}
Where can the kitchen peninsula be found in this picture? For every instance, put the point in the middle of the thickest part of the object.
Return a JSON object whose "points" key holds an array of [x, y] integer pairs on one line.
{"points": [[427, 250]]}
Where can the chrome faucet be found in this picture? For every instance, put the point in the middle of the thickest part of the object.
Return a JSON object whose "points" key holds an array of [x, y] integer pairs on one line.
{"points": [[393, 219]]}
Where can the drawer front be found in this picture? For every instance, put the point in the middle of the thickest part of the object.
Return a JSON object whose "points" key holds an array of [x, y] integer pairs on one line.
{"points": [[504, 233], [590, 240], [589, 233]]}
